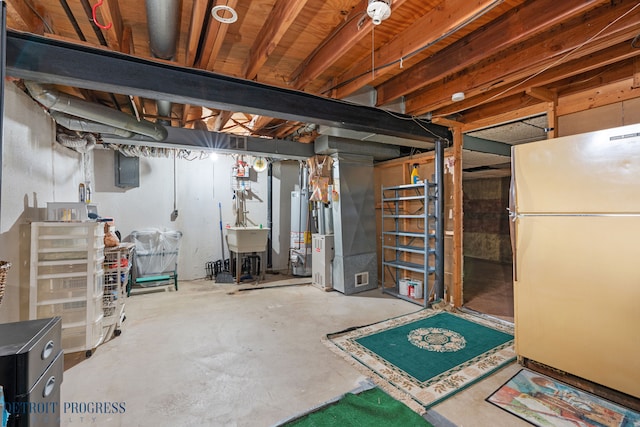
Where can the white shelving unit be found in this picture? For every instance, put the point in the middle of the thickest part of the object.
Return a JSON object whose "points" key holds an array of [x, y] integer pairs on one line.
{"points": [[66, 280], [409, 232]]}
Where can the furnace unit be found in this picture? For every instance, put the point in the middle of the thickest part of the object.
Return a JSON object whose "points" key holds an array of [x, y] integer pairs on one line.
{"points": [[321, 259]]}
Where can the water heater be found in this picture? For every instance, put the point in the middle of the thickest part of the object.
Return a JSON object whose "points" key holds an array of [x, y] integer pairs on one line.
{"points": [[301, 231]]}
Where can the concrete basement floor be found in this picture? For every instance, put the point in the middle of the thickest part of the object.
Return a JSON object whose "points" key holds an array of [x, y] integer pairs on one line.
{"points": [[211, 355]]}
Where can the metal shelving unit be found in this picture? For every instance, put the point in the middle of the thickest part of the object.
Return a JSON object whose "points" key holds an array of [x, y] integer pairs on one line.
{"points": [[410, 241]]}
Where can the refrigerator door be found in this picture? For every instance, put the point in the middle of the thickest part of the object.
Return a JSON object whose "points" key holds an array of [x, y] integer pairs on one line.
{"points": [[576, 296], [596, 172]]}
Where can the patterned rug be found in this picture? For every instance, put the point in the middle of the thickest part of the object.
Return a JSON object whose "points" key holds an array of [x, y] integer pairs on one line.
{"points": [[545, 402], [425, 357]]}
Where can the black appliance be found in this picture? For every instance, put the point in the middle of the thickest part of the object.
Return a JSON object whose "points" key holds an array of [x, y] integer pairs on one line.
{"points": [[31, 368]]}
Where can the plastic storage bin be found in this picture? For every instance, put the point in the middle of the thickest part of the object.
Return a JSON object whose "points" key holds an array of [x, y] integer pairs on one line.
{"points": [[67, 211]]}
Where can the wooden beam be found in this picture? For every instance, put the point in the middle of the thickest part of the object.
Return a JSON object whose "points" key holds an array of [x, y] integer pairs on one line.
{"points": [[447, 122], [636, 73], [552, 119], [521, 23], [542, 94], [221, 120], [21, 17], [609, 94], [109, 12], [259, 122], [570, 69], [334, 47], [127, 46], [458, 260], [432, 27], [198, 17], [276, 25], [533, 56], [215, 34], [341, 41], [483, 122]]}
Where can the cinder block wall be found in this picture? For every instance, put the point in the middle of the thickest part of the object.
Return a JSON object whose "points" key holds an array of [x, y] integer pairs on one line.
{"points": [[486, 219]]}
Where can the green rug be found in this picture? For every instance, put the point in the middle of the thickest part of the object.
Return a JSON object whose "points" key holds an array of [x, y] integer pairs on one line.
{"points": [[370, 408], [424, 357]]}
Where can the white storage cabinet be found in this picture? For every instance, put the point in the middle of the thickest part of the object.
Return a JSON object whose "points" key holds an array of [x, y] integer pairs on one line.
{"points": [[67, 278]]}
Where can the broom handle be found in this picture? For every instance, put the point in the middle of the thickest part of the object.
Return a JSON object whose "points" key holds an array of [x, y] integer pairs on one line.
{"points": [[221, 234]]}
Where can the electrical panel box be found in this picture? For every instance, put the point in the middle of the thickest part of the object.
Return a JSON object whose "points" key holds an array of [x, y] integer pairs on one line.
{"points": [[127, 171]]}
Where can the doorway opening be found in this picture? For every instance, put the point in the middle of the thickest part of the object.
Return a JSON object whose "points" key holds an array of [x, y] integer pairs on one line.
{"points": [[488, 261]]}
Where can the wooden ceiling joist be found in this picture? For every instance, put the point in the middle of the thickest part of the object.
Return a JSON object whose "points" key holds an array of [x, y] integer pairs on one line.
{"points": [[276, 25], [198, 18], [576, 67], [522, 23], [21, 17], [335, 46], [214, 37], [430, 28], [532, 57], [109, 12]]}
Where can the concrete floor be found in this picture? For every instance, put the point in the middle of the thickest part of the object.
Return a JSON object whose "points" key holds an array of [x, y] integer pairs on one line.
{"points": [[210, 355]]}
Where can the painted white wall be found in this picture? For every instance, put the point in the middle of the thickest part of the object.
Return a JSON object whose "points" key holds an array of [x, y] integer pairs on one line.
{"points": [[200, 186], [35, 170]]}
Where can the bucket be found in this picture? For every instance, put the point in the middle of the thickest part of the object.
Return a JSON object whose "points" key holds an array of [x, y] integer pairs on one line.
{"points": [[417, 288], [404, 286]]}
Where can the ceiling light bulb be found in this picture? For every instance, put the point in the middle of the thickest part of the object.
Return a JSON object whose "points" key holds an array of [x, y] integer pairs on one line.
{"points": [[213, 156], [260, 164], [379, 10]]}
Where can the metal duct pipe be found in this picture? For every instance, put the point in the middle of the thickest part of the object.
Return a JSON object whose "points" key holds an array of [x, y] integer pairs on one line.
{"points": [[163, 26], [164, 110], [56, 101], [81, 125], [162, 22]]}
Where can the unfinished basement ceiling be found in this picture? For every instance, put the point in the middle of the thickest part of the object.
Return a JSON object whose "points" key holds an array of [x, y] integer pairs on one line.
{"points": [[503, 55], [519, 132], [477, 165]]}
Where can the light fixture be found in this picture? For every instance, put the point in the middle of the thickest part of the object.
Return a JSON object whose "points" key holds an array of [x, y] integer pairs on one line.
{"points": [[379, 10], [219, 12], [213, 156], [457, 97], [260, 164]]}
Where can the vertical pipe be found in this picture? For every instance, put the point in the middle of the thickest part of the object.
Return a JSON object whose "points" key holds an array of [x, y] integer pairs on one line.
{"points": [[269, 214], [3, 64], [439, 207]]}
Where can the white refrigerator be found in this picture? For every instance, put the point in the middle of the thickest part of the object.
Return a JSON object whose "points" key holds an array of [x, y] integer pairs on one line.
{"points": [[575, 211]]}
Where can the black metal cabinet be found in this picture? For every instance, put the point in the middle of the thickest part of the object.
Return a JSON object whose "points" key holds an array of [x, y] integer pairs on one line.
{"points": [[31, 370]]}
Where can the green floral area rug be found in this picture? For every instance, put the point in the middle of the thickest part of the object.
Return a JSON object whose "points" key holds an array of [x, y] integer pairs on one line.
{"points": [[425, 357]]}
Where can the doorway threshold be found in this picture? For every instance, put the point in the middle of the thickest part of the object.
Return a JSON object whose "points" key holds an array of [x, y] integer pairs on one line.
{"points": [[486, 316]]}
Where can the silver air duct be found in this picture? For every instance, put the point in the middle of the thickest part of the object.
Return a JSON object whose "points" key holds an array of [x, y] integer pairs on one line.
{"points": [[163, 26], [162, 21], [81, 125], [56, 101]]}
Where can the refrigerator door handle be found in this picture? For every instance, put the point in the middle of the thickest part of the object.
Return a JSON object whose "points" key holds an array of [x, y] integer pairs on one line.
{"points": [[513, 215]]}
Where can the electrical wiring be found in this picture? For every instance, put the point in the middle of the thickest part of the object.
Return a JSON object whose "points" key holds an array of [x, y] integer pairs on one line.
{"points": [[323, 44], [568, 54], [422, 48], [33, 9]]}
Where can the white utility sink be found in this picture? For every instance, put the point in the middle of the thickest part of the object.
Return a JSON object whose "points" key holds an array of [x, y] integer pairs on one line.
{"points": [[247, 239]]}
